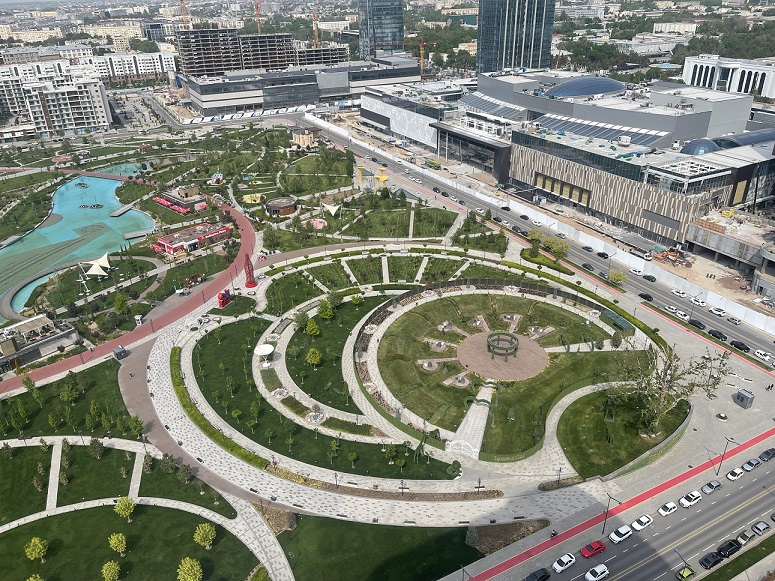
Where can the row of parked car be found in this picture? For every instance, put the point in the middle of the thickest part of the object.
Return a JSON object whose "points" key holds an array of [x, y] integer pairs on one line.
{"points": [[727, 549]]}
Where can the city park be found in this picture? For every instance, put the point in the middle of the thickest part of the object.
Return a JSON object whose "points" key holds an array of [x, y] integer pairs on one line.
{"points": [[382, 373]]}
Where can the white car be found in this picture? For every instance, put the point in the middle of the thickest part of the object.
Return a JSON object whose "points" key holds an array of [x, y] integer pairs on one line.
{"points": [[678, 293], [563, 563], [620, 534], [698, 302], [734, 474], [668, 508], [671, 309], [690, 499], [506, 224], [636, 271], [642, 522], [763, 355], [682, 315], [453, 198], [717, 311], [597, 572], [399, 162], [734, 320], [536, 223], [480, 211]]}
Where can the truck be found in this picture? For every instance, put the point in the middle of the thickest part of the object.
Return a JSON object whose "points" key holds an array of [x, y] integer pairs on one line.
{"points": [[644, 254]]}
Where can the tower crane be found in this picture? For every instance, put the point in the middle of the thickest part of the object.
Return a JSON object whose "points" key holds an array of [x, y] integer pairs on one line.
{"points": [[257, 5], [314, 28], [422, 44], [183, 14]]}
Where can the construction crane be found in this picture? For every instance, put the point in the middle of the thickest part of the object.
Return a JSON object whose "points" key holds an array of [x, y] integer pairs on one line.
{"points": [[314, 28], [183, 15], [257, 5], [422, 44]]}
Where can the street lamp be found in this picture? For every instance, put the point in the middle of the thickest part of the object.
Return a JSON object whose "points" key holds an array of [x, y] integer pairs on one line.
{"points": [[605, 520], [684, 560], [691, 312], [610, 256], [724, 453]]}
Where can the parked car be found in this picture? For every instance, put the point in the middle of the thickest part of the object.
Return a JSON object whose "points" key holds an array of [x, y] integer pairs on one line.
{"points": [[671, 309], [540, 575], [642, 522], [498, 219], [698, 302], [563, 563], [668, 508], [744, 537], [588, 248], [594, 548], [734, 320], [717, 334], [686, 572], [767, 455], [711, 487], [740, 346], [681, 315], [697, 323], [711, 560], [597, 572], [437, 190], [636, 271], [678, 293], [505, 208], [690, 499], [763, 355], [444, 194], [620, 534], [603, 274], [646, 297], [729, 548], [588, 267], [735, 474], [717, 311], [603, 255], [751, 465], [650, 278], [761, 528]]}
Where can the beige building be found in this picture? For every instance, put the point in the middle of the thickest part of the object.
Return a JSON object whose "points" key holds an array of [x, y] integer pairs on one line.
{"points": [[305, 137]]}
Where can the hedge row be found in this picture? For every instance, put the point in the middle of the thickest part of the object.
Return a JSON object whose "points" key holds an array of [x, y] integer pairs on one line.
{"points": [[544, 260]]}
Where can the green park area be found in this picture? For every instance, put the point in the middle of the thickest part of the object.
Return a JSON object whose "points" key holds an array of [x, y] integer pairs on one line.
{"points": [[175, 277], [332, 276], [432, 222], [335, 550], [19, 467], [289, 290], [403, 267], [157, 540], [440, 269], [90, 477], [31, 208], [318, 172], [367, 270], [233, 396], [239, 305]]}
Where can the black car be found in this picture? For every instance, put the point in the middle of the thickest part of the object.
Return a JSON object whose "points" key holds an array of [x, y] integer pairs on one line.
{"points": [[740, 346], [588, 267], [498, 219], [437, 190], [729, 548], [697, 323], [525, 217], [717, 334], [767, 455], [602, 255], [444, 194], [461, 202], [646, 297], [711, 560], [505, 208], [540, 575], [650, 278]]}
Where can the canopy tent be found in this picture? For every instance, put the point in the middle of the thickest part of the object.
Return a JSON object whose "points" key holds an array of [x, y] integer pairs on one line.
{"points": [[95, 270]]}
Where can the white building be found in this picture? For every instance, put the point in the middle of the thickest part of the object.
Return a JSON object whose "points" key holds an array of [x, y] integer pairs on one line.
{"points": [[686, 28], [131, 66], [732, 75]]}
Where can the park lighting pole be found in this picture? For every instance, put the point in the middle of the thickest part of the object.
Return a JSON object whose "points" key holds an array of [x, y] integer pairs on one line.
{"points": [[724, 453], [610, 498], [336, 479]]}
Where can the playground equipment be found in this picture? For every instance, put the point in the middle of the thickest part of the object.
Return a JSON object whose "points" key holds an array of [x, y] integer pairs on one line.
{"points": [[224, 298]]}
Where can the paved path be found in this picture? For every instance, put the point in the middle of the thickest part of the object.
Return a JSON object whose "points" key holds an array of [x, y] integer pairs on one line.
{"points": [[53, 475], [468, 437], [137, 475]]}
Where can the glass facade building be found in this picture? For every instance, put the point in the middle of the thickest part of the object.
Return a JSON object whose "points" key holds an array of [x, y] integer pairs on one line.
{"points": [[514, 34], [382, 27]]}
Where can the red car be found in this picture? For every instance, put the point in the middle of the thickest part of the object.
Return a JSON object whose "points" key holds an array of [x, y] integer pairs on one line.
{"points": [[592, 549]]}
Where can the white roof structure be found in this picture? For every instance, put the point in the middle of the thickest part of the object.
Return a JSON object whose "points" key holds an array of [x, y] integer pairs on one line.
{"points": [[95, 270], [104, 261]]}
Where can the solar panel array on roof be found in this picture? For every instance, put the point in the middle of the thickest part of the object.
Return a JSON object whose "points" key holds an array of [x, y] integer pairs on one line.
{"points": [[598, 130], [490, 106]]}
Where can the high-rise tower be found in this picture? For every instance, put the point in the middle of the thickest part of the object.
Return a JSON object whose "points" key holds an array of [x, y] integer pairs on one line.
{"points": [[382, 27], [514, 34]]}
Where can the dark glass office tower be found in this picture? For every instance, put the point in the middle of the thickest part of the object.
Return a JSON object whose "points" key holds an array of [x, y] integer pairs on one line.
{"points": [[513, 34], [382, 27]]}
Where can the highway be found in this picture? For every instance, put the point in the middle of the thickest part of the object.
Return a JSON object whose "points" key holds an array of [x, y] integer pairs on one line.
{"points": [[651, 553]]}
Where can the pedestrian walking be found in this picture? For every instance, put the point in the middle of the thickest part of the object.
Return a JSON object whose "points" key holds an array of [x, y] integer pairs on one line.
{"points": [[131, 375]]}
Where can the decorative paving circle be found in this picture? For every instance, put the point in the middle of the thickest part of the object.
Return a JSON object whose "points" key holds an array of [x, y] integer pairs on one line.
{"points": [[530, 360]]}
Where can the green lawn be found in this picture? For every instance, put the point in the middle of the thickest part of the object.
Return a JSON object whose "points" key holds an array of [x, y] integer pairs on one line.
{"points": [[335, 550], [368, 270], [288, 291], [331, 275], [26, 181], [432, 222], [26, 215], [471, 226], [90, 478], [477, 271], [403, 267], [385, 224], [18, 497], [440, 269], [287, 241], [175, 276], [326, 384], [492, 242], [318, 173], [306, 446], [239, 305], [531, 399], [569, 328], [585, 435], [157, 539], [100, 385], [159, 484]]}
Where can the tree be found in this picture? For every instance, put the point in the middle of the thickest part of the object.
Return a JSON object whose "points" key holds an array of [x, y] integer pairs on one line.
{"points": [[313, 357], [168, 464], [189, 570], [110, 571], [401, 462], [184, 474], [616, 340], [352, 457], [357, 300], [325, 311], [269, 432], [616, 276], [558, 247], [661, 380], [230, 385], [34, 577], [27, 382], [300, 319], [121, 303], [96, 448], [312, 329], [35, 549], [37, 396], [334, 299], [136, 426], [205, 535], [124, 507], [117, 542]]}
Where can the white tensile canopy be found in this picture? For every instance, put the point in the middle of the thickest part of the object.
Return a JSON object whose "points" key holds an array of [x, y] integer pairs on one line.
{"points": [[95, 270]]}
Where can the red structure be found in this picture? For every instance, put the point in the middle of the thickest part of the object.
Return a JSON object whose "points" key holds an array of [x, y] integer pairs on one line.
{"points": [[224, 298], [250, 280]]}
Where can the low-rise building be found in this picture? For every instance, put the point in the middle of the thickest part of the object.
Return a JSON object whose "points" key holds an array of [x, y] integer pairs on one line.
{"points": [[32, 339], [732, 75], [306, 137], [194, 238]]}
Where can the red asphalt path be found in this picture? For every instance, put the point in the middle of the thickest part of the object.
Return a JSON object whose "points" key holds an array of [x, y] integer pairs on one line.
{"points": [[196, 299], [631, 503]]}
